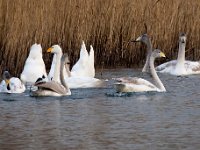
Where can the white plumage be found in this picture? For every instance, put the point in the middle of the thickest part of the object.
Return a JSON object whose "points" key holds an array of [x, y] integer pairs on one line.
{"points": [[34, 66]]}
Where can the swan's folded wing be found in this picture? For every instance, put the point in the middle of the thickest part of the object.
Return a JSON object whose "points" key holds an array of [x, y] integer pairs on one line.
{"points": [[134, 81], [166, 65], [54, 86]]}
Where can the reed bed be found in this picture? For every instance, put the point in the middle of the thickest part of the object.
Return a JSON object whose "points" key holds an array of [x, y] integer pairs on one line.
{"points": [[107, 25]]}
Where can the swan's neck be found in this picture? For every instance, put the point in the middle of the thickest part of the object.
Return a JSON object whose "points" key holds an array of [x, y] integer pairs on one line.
{"points": [[57, 67], [68, 71], [157, 80], [149, 51], [181, 56], [62, 78]]}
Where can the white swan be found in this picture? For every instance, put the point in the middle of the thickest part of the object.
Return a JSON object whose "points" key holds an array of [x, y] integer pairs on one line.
{"points": [[140, 85], [11, 84], [146, 40], [34, 66], [75, 81], [84, 67], [180, 66], [53, 88]]}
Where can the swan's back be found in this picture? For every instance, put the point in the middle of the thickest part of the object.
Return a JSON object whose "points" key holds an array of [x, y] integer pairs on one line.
{"points": [[34, 65], [134, 84], [84, 82]]}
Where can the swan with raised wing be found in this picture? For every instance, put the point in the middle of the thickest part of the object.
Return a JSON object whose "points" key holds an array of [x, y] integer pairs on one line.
{"points": [[76, 81]]}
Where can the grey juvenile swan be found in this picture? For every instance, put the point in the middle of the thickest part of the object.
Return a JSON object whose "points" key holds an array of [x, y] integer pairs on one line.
{"points": [[54, 88], [129, 84], [180, 66]]}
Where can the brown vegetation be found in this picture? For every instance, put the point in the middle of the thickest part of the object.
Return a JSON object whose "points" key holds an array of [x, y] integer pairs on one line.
{"points": [[107, 25]]}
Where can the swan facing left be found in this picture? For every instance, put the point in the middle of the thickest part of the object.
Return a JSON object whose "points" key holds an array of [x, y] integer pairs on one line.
{"points": [[11, 84], [53, 88], [129, 84]]}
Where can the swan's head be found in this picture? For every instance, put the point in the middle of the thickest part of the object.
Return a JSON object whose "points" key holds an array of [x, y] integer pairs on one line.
{"points": [[35, 51], [55, 49], [143, 38], [182, 38], [6, 77], [157, 53]]}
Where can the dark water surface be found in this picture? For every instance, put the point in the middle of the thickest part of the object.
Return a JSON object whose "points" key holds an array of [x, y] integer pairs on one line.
{"points": [[98, 119]]}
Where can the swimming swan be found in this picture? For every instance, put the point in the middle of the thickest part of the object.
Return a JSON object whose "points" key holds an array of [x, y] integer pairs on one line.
{"points": [[53, 88], [180, 66], [144, 38], [84, 67], [75, 81], [140, 85], [11, 84], [82, 82], [34, 66]]}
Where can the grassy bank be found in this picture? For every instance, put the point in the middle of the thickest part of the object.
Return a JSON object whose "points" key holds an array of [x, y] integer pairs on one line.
{"points": [[107, 25]]}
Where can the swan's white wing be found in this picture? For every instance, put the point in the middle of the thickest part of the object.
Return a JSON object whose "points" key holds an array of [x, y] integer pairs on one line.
{"points": [[166, 67], [80, 69], [91, 69], [84, 67], [190, 67], [134, 85], [83, 82]]}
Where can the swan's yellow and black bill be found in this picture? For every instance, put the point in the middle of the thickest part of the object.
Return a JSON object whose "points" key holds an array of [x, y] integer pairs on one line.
{"points": [[162, 54], [50, 50], [7, 82]]}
